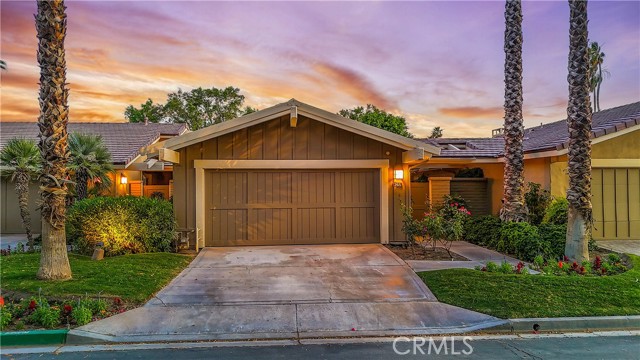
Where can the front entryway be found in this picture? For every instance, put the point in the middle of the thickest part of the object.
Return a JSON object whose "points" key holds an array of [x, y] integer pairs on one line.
{"points": [[287, 207]]}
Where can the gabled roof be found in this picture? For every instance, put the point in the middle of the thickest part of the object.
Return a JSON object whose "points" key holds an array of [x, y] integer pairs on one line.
{"points": [[303, 110], [124, 140], [546, 137]]}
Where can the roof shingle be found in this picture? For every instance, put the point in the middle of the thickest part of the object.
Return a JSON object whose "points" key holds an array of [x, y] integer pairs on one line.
{"points": [[124, 140]]}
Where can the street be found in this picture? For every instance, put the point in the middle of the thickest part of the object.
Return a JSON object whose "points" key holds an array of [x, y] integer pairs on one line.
{"points": [[568, 346]]}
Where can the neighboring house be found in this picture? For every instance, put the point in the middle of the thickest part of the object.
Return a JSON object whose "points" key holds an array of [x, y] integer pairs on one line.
{"points": [[292, 174], [615, 162], [125, 141]]}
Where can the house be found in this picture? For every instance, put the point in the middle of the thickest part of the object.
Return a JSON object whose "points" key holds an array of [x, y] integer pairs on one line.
{"points": [[615, 169], [126, 142], [292, 174]]}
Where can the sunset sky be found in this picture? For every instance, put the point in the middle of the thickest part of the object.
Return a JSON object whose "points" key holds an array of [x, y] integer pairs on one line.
{"points": [[436, 63]]}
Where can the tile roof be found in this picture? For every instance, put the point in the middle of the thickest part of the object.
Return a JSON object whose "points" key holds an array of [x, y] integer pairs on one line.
{"points": [[551, 136], [124, 140]]}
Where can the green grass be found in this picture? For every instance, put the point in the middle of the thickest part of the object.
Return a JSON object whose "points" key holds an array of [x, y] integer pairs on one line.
{"points": [[518, 296], [134, 278]]}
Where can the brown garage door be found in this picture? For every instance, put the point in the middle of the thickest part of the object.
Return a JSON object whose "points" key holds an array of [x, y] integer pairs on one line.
{"points": [[282, 207]]}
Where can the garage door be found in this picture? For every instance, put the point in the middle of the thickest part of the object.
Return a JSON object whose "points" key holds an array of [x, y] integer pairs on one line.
{"points": [[616, 203], [282, 207]]}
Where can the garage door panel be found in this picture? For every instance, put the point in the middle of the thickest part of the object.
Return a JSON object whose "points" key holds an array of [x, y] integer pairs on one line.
{"points": [[270, 226], [358, 224], [316, 224], [230, 225], [616, 203]]}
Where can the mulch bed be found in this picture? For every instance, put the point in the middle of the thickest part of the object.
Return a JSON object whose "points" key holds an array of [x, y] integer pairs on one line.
{"points": [[417, 252]]}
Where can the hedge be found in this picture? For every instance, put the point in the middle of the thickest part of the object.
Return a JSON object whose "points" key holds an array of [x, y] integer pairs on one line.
{"points": [[124, 225]]}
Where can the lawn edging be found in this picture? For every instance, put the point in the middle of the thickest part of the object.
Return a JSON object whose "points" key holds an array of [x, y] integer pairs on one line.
{"points": [[34, 337], [569, 324]]}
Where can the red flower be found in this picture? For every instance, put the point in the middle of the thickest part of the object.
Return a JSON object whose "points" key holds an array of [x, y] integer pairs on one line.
{"points": [[32, 305], [582, 269], [560, 264], [597, 263], [1, 301], [68, 308], [117, 301], [566, 258]]}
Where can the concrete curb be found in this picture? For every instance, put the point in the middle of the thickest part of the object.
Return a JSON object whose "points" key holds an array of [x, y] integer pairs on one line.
{"points": [[568, 324], [33, 337]]}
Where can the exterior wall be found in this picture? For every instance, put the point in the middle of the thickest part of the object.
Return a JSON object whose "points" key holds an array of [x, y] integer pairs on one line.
{"points": [[621, 147], [494, 175], [277, 140], [10, 219]]}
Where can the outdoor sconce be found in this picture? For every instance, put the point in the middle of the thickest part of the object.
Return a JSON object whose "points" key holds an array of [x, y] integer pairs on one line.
{"points": [[123, 179], [398, 175]]}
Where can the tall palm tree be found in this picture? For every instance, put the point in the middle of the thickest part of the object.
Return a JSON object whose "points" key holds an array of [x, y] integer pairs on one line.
{"points": [[513, 208], [89, 161], [596, 72], [579, 123], [21, 161], [51, 27]]}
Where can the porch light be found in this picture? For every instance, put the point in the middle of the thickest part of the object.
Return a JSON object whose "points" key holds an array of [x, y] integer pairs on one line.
{"points": [[123, 179], [398, 174]]}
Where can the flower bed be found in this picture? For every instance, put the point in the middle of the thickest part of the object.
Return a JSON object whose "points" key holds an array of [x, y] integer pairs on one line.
{"points": [[611, 264], [38, 313]]}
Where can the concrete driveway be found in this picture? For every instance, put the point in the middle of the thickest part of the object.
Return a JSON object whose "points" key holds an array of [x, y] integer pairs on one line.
{"points": [[277, 292]]}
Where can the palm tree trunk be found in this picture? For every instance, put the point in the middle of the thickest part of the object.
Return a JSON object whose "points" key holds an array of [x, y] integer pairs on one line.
{"points": [[513, 208], [51, 26], [22, 180], [82, 178], [579, 122], [598, 87]]}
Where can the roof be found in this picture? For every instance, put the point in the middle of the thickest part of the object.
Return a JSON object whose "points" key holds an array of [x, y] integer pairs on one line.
{"points": [[124, 140], [546, 137], [303, 110]]}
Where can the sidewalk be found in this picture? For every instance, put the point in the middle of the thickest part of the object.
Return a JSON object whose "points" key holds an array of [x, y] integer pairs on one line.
{"points": [[621, 246], [477, 255]]}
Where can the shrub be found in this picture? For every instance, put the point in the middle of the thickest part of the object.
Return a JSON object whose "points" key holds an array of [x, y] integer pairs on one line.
{"points": [[537, 199], [5, 317], [491, 267], [46, 316], [555, 236], [521, 239], [505, 268], [483, 230], [556, 212], [123, 225], [81, 315]]}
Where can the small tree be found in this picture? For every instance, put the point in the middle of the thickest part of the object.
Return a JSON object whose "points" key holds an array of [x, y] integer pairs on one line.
{"points": [[90, 160], [21, 160]]}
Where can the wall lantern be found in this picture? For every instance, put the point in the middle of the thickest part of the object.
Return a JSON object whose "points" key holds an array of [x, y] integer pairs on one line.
{"points": [[123, 179], [398, 175]]}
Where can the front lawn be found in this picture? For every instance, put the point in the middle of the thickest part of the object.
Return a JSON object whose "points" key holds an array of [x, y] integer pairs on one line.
{"points": [[519, 296], [134, 278]]}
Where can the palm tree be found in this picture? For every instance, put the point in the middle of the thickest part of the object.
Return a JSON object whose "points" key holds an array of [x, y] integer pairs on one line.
{"points": [[596, 72], [579, 123], [21, 160], [51, 27], [89, 160], [513, 208], [3, 65]]}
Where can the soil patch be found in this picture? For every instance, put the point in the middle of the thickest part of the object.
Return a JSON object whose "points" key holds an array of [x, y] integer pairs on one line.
{"points": [[417, 252]]}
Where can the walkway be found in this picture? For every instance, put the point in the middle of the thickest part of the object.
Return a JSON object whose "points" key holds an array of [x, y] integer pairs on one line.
{"points": [[477, 255], [621, 246]]}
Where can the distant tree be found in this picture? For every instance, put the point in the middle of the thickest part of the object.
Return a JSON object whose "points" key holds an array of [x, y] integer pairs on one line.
{"points": [[200, 107], [596, 72], [90, 160], [21, 161], [147, 112], [436, 133], [248, 110], [373, 116]]}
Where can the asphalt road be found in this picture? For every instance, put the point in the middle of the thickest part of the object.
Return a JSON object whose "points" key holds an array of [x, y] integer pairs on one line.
{"points": [[583, 348]]}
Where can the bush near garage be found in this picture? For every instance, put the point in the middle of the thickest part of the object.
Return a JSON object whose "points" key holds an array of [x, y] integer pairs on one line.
{"points": [[124, 225]]}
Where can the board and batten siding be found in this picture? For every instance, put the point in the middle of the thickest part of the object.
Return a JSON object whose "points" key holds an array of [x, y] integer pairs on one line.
{"points": [[277, 140]]}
